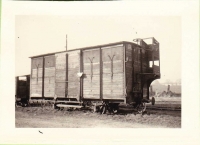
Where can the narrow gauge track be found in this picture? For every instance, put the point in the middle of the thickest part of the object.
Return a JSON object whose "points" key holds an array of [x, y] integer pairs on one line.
{"points": [[164, 108], [154, 107], [159, 110]]}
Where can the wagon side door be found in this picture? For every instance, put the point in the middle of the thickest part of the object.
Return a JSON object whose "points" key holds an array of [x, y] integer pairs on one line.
{"points": [[61, 75], [91, 70], [113, 72], [73, 79], [36, 77], [49, 76]]}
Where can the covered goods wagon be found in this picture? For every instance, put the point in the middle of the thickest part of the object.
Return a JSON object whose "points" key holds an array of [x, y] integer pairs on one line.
{"points": [[111, 74]]}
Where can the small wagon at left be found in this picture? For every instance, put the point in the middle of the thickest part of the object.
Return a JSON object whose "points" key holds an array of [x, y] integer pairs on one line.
{"points": [[22, 90]]}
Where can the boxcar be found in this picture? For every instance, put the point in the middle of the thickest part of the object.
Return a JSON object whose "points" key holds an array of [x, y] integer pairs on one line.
{"points": [[111, 74]]}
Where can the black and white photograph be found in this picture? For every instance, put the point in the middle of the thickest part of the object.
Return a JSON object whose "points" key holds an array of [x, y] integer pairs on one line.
{"points": [[107, 71], [100, 73]]}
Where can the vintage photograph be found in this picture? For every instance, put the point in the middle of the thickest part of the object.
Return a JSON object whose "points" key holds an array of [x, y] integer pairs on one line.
{"points": [[116, 73], [104, 71]]}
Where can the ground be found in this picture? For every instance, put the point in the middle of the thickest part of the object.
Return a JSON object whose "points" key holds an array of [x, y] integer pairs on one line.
{"points": [[37, 117]]}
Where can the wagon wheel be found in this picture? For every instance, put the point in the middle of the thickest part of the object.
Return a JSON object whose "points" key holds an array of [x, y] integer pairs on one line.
{"points": [[89, 103], [84, 104], [141, 108], [103, 109], [24, 104], [61, 108], [94, 107], [43, 104], [114, 108]]}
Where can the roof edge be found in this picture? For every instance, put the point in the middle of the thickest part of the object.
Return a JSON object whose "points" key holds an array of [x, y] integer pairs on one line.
{"points": [[84, 48]]}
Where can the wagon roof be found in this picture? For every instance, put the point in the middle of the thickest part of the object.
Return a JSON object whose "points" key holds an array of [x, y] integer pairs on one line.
{"points": [[83, 48], [23, 75]]}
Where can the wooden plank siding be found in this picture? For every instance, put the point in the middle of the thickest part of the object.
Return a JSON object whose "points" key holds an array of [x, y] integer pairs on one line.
{"points": [[73, 79], [137, 69], [91, 70], [107, 73], [61, 75], [49, 76], [113, 72], [36, 77], [145, 87], [129, 71]]}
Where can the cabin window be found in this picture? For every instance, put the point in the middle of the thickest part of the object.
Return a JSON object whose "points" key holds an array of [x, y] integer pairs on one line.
{"points": [[22, 78], [153, 62], [150, 64], [156, 63], [144, 57]]}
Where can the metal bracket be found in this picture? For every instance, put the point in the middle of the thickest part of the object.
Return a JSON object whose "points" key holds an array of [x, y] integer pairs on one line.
{"points": [[91, 64], [37, 66], [111, 69]]}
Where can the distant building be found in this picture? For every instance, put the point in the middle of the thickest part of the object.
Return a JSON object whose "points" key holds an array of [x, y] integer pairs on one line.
{"points": [[161, 87]]}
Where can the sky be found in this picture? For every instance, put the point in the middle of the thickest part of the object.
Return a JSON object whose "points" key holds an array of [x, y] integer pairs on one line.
{"points": [[40, 34]]}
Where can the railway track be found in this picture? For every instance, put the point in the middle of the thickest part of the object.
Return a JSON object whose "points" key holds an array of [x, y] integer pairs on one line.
{"points": [[164, 108], [175, 107], [159, 109]]}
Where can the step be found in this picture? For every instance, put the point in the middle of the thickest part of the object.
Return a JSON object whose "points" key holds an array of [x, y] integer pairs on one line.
{"points": [[75, 102], [66, 105]]}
